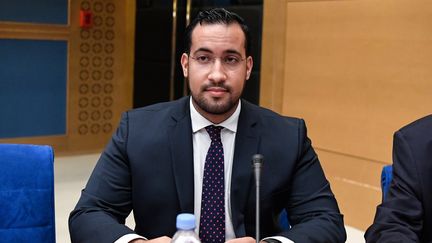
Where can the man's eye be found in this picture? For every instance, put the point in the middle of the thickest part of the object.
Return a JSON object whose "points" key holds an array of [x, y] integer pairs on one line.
{"points": [[231, 60], [203, 58]]}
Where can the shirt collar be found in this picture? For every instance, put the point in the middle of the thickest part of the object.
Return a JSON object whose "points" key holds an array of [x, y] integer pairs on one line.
{"points": [[199, 122]]}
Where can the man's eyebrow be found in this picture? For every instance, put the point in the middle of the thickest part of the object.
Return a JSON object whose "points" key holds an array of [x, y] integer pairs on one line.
{"points": [[229, 51], [203, 49]]}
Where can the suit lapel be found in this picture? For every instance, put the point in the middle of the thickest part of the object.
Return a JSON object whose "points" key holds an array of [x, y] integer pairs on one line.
{"points": [[182, 155], [246, 145]]}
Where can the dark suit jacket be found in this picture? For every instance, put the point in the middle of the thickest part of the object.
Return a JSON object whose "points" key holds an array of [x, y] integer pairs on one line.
{"points": [[406, 214], [148, 167]]}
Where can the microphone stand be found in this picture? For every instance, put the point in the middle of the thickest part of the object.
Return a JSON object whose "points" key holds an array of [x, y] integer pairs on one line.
{"points": [[257, 162]]}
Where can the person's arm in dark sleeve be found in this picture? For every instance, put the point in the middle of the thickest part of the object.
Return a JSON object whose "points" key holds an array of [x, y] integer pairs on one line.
{"points": [[100, 213], [399, 217], [312, 208]]}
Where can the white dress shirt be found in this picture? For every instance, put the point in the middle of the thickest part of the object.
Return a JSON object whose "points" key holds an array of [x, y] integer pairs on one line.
{"points": [[201, 143]]}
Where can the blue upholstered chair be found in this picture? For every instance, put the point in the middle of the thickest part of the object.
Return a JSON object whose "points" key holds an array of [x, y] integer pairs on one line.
{"points": [[386, 177], [26, 193]]}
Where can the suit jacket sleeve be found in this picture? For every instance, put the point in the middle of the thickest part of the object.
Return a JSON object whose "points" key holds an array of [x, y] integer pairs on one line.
{"points": [[312, 208], [399, 218], [105, 202]]}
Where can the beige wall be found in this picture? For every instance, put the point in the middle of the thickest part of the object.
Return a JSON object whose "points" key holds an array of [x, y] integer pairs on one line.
{"points": [[356, 71]]}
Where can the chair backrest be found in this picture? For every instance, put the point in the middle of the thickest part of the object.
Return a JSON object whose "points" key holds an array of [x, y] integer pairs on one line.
{"points": [[386, 177], [26, 193]]}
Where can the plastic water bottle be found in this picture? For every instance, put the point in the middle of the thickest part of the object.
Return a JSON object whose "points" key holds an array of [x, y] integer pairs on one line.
{"points": [[185, 229]]}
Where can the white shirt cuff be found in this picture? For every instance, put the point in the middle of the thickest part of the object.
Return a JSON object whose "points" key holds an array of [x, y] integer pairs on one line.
{"points": [[128, 238], [280, 238]]}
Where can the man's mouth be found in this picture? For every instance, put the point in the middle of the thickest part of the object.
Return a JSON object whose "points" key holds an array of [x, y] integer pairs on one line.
{"points": [[216, 91]]}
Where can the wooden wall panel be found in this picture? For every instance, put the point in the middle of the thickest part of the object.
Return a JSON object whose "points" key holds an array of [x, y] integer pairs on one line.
{"points": [[9, 30], [356, 71], [101, 71]]}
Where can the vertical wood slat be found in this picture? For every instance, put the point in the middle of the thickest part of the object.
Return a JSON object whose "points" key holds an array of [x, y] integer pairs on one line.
{"points": [[273, 55]]}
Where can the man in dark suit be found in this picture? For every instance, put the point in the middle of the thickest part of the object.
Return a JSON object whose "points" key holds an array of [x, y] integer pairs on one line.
{"points": [[406, 213], [156, 160]]}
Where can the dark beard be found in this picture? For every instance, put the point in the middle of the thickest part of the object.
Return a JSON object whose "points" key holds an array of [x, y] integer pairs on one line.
{"points": [[216, 107]]}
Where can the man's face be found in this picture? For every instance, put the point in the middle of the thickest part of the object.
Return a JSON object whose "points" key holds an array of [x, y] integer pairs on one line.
{"points": [[217, 69]]}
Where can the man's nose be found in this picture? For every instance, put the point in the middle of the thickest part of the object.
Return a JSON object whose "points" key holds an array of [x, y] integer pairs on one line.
{"points": [[217, 72]]}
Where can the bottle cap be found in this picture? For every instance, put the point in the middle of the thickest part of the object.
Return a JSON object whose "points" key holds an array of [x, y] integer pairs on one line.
{"points": [[185, 221]]}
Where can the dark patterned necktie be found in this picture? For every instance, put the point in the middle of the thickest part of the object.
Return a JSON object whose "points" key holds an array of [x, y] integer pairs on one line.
{"points": [[212, 219]]}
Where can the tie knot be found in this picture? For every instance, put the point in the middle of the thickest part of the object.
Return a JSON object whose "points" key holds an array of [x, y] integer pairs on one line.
{"points": [[214, 132]]}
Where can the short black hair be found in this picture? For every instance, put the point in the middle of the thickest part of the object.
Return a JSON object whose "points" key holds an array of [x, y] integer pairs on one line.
{"points": [[216, 16]]}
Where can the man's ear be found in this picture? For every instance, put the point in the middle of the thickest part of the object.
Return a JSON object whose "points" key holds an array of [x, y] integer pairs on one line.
{"points": [[249, 65], [185, 64]]}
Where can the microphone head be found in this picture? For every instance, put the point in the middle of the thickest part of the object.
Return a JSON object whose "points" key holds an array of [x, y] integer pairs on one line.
{"points": [[257, 160]]}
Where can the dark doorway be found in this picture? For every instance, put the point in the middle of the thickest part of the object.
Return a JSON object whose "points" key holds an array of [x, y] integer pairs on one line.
{"points": [[158, 76]]}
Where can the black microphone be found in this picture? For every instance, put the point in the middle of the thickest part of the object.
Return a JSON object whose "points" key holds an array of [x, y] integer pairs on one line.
{"points": [[257, 163]]}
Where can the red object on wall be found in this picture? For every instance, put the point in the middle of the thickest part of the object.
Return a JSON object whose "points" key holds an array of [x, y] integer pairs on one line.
{"points": [[86, 19]]}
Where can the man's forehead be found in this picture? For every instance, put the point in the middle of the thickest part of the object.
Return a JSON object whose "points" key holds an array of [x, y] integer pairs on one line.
{"points": [[206, 35]]}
